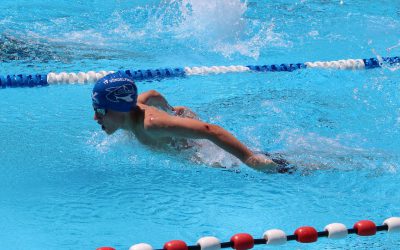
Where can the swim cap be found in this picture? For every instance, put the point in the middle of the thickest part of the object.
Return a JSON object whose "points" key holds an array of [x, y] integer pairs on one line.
{"points": [[115, 91]]}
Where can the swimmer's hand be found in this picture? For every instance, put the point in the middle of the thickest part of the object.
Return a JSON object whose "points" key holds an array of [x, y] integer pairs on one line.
{"points": [[261, 163]]}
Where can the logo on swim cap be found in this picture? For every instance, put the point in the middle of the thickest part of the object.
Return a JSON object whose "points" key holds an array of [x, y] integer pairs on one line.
{"points": [[94, 98], [116, 91], [125, 93]]}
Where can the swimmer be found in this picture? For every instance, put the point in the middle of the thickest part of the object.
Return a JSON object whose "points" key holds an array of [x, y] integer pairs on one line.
{"points": [[154, 122]]}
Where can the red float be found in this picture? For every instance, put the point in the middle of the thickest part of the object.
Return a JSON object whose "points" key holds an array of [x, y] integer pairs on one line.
{"points": [[175, 245], [242, 241], [365, 228], [306, 234], [105, 248]]}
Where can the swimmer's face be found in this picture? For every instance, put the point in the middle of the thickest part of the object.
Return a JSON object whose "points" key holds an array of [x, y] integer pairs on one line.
{"points": [[109, 120]]}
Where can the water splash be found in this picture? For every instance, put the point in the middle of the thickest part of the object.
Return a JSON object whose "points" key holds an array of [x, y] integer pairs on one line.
{"points": [[206, 152], [218, 20], [389, 50], [314, 152], [104, 144], [219, 26], [385, 65], [222, 27]]}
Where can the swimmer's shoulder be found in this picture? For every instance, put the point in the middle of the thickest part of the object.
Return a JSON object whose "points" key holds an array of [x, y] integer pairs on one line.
{"points": [[151, 110], [155, 119]]}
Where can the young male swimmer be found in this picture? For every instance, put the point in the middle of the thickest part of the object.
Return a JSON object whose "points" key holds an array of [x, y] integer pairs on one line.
{"points": [[117, 106]]}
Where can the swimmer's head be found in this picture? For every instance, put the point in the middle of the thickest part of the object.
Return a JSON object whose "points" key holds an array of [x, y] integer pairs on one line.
{"points": [[115, 91]]}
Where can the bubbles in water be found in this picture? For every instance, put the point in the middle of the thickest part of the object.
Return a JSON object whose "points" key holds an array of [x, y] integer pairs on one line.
{"points": [[208, 153], [87, 37], [222, 27], [218, 20], [103, 143], [393, 47], [225, 27], [314, 151], [385, 65], [219, 26]]}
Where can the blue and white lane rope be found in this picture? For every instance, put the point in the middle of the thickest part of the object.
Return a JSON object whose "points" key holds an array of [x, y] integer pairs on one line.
{"points": [[21, 80]]}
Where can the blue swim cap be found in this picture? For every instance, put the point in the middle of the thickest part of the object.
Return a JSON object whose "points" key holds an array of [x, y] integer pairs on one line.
{"points": [[115, 91]]}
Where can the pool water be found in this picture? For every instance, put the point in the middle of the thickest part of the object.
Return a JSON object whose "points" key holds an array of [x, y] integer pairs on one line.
{"points": [[65, 184]]}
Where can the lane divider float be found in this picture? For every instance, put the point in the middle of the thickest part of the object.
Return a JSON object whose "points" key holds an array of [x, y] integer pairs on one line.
{"points": [[33, 80], [304, 234]]}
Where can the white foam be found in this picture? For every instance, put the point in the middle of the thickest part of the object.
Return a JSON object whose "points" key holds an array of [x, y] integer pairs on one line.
{"points": [[103, 142], [312, 151], [208, 153], [384, 64], [221, 26], [215, 25], [88, 37]]}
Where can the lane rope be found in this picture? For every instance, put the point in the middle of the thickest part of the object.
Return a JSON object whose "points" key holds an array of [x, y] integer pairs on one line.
{"points": [[33, 80], [304, 234]]}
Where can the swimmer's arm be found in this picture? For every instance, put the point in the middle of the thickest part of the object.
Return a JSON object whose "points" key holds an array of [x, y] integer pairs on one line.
{"points": [[195, 129], [155, 99], [185, 112]]}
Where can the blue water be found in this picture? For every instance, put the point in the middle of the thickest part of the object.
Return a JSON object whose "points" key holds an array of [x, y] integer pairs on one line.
{"points": [[66, 185]]}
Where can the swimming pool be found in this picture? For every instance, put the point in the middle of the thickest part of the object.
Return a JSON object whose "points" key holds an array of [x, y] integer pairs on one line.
{"points": [[65, 184]]}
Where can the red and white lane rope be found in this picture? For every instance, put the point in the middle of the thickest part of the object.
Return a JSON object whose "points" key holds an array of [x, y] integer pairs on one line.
{"points": [[304, 234]]}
